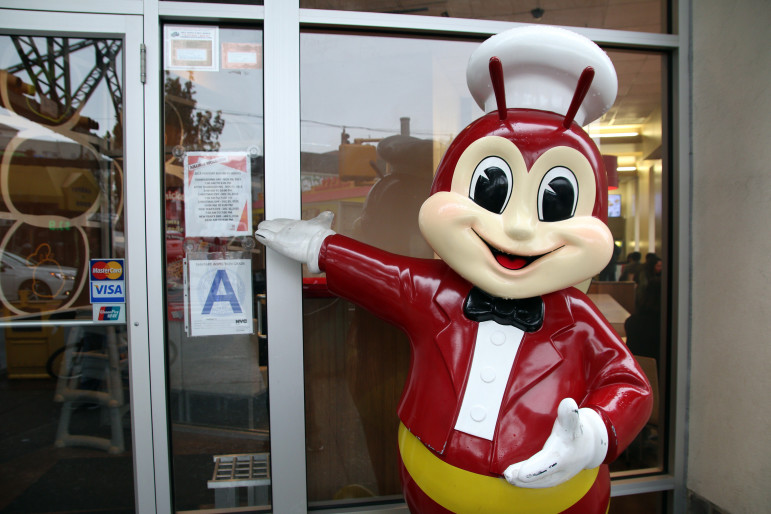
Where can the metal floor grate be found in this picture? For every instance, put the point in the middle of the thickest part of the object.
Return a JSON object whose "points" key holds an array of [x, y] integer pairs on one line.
{"points": [[243, 470]]}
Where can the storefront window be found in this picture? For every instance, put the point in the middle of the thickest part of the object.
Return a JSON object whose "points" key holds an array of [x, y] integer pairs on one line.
{"points": [[650, 503], [66, 434], [638, 16], [377, 115], [215, 278], [633, 296], [382, 97]]}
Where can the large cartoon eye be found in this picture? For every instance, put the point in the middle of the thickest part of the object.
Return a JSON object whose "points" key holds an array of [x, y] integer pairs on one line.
{"points": [[491, 184], [557, 195]]}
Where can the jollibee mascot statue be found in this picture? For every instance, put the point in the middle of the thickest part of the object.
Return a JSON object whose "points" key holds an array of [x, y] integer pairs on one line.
{"points": [[519, 392]]}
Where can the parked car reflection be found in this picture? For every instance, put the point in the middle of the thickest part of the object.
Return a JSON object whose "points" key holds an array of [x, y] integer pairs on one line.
{"points": [[35, 278]]}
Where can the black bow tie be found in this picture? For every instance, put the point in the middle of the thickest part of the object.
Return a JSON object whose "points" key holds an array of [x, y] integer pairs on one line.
{"points": [[525, 314]]}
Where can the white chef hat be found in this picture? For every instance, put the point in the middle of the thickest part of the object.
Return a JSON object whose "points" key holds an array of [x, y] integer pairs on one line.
{"points": [[541, 67]]}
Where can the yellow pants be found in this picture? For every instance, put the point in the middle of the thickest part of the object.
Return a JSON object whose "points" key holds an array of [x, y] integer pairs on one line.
{"points": [[463, 492]]}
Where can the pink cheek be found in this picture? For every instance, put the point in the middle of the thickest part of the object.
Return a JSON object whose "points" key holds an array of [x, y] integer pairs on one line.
{"points": [[434, 217], [448, 211], [447, 223], [590, 239]]}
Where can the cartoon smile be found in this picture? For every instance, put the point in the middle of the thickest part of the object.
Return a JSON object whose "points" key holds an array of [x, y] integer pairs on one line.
{"points": [[511, 261]]}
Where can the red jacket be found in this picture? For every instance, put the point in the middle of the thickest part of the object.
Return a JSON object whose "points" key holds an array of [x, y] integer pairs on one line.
{"points": [[574, 354]]}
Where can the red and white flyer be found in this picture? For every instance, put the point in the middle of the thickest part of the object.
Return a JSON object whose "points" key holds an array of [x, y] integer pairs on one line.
{"points": [[218, 194]]}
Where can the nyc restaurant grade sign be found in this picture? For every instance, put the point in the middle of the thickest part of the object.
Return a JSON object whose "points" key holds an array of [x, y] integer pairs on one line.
{"points": [[220, 299], [107, 285]]}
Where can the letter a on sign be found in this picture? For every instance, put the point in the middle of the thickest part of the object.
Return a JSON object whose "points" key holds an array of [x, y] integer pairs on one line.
{"points": [[221, 280], [219, 300]]}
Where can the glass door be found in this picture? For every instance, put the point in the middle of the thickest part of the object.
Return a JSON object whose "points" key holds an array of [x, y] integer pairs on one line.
{"points": [[216, 347], [72, 294]]}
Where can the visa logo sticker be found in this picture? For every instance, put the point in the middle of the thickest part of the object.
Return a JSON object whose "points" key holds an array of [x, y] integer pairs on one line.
{"points": [[109, 313], [107, 281], [112, 291]]}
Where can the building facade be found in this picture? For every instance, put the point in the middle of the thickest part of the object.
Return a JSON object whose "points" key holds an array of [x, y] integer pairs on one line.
{"points": [[144, 140]]}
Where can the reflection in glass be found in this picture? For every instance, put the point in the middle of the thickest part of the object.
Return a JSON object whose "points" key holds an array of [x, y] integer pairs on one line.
{"points": [[371, 140], [638, 16], [631, 134], [62, 169], [217, 383], [649, 503], [66, 435], [377, 115]]}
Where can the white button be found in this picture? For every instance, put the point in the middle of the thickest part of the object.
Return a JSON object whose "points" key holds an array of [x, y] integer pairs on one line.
{"points": [[478, 413], [497, 338], [488, 374]]}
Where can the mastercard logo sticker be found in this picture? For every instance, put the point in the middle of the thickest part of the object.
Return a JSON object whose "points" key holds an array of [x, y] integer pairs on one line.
{"points": [[106, 270]]}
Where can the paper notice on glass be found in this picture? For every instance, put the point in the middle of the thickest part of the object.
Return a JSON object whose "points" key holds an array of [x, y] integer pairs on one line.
{"points": [[220, 297], [218, 194], [191, 48], [241, 56]]}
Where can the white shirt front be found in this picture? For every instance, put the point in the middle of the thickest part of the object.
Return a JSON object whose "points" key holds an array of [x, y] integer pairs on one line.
{"points": [[495, 350]]}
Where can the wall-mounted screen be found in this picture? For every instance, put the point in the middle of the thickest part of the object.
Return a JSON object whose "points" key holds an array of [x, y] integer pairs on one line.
{"points": [[614, 205]]}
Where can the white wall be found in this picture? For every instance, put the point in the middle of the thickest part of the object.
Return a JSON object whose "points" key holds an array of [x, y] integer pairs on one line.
{"points": [[729, 460]]}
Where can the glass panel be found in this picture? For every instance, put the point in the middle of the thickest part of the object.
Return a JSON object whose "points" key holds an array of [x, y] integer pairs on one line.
{"points": [[644, 503], [370, 141], [638, 16], [66, 434], [630, 137], [377, 115], [215, 278]]}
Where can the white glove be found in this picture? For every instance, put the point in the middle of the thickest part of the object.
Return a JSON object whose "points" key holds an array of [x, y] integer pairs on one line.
{"points": [[579, 440], [297, 239]]}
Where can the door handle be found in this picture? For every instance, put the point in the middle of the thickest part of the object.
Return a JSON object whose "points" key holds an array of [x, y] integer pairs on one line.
{"points": [[262, 302]]}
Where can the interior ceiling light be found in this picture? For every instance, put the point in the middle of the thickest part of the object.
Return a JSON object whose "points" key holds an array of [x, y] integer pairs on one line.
{"points": [[626, 168], [609, 131], [614, 134]]}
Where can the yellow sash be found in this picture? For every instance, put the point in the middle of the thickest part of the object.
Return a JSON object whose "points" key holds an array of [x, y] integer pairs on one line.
{"points": [[464, 492]]}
